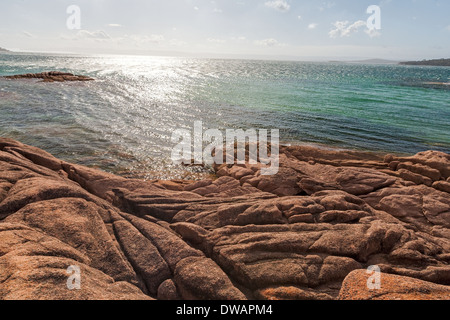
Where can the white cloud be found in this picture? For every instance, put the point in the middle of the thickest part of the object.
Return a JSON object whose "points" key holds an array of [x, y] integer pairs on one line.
{"points": [[153, 38], [114, 25], [327, 5], [138, 40], [448, 28], [29, 35], [212, 40], [343, 29], [280, 5], [96, 35], [267, 42], [241, 38], [373, 33], [312, 26], [177, 43]]}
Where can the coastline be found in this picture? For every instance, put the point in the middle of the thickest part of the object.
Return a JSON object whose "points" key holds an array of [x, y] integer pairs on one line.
{"points": [[308, 232], [225, 158]]}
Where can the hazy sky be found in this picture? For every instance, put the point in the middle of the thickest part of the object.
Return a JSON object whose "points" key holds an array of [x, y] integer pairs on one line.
{"points": [[410, 29]]}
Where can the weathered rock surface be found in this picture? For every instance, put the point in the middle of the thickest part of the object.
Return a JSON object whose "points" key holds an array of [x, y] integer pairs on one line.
{"points": [[392, 287], [300, 234], [52, 76]]}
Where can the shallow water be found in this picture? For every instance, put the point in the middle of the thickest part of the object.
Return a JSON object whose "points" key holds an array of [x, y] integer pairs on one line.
{"points": [[123, 122]]}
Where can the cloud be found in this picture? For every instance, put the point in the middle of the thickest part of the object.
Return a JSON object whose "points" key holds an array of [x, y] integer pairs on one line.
{"points": [[312, 26], [138, 40], [114, 25], [177, 43], [280, 5], [153, 38], [373, 33], [345, 29], [240, 38], [96, 35], [212, 40], [327, 5], [448, 28], [267, 42], [29, 35]]}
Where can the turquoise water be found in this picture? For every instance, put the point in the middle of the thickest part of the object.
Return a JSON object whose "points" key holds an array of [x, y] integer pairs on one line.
{"points": [[123, 122]]}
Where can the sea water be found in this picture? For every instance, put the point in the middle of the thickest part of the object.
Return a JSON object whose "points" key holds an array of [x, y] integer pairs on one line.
{"points": [[123, 121]]}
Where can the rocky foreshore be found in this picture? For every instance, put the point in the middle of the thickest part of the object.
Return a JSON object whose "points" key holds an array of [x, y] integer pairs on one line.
{"points": [[52, 76], [309, 233]]}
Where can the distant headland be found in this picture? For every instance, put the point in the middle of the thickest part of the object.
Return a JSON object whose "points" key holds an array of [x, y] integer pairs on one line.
{"points": [[435, 62], [4, 50]]}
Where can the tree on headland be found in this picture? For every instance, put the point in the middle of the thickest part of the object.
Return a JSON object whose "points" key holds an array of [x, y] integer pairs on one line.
{"points": [[435, 62]]}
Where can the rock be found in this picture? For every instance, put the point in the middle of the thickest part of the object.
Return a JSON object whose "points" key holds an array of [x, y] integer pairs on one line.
{"points": [[85, 231], [143, 255], [33, 266], [299, 234], [425, 163], [420, 169], [170, 185], [198, 185], [291, 293], [284, 183], [168, 291], [52, 76], [190, 232], [392, 288], [201, 279], [169, 245], [420, 206], [442, 186], [414, 177]]}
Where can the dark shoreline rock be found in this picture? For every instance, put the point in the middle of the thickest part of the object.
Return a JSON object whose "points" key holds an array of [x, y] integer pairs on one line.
{"points": [[52, 76], [301, 234]]}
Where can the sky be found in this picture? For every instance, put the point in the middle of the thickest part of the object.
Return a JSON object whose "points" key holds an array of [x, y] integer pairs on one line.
{"points": [[278, 29]]}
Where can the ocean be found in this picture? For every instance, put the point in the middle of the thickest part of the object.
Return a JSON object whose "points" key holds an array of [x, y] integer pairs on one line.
{"points": [[123, 121]]}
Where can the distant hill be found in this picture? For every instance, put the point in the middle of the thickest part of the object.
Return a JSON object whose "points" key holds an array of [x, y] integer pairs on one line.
{"points": [[435, 62], [376, 61], [368, 61], [4, 50]]}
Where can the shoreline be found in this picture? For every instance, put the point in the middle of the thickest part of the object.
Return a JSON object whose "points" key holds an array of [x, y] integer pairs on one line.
{"points": [[204, 174], [309, 232], [153, 174]]}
